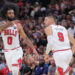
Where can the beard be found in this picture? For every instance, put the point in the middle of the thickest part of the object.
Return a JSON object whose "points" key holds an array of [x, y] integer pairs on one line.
{"points": [[11, 19]]}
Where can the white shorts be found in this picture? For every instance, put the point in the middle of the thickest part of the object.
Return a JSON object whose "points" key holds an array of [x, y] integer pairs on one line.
{"points": [[63, 59], [14, 58]]}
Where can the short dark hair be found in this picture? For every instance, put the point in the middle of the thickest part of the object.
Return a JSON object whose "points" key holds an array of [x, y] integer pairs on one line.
{"points": [[49, 15], [9, 6]]}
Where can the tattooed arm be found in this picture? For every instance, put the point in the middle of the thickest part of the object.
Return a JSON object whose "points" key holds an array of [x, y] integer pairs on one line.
{"points": [[3, 25], [26, 39]]}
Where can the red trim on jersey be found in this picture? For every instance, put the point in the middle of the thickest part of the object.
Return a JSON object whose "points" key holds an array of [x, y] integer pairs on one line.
{"points": [[6, 50], [20, 62], [61, 50], [68, 69], [14, 64], [60, 70]]}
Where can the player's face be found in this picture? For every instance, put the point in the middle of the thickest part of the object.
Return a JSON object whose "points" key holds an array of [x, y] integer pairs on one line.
{"points": [[10, 14], [46, 21], [49, 21]]}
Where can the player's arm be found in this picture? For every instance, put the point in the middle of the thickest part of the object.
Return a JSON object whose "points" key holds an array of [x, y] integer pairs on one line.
{"points": [[48, 32], [3, 26], [72, 41], [26, 39]]}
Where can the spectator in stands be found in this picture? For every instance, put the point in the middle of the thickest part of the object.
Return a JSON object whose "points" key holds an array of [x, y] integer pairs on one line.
{"points": [[71, 29], [42, 68], [3, 67], [52, 67], [72, 71], [63, 10]]}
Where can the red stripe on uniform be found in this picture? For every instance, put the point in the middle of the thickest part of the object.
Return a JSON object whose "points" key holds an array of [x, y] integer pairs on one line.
{"points": [[61, 50], [20, 62], [14, 64], [67, 69], [60, 71], [6, 50]]}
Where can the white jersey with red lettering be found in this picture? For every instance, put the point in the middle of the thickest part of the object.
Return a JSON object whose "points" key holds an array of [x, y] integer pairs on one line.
{"points": [[10, 37], [60, 38], [13, 51], [61, 45]]}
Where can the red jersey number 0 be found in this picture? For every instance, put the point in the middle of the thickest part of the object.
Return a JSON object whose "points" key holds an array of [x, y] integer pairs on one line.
{"points": [[61, 37], [9, 40]]}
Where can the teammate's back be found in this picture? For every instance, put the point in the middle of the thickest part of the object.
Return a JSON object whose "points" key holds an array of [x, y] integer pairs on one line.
{"points": [[60, 38]]}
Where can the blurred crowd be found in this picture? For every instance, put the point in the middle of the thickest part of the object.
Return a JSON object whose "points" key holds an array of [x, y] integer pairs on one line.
{"points": [[31, 16]]}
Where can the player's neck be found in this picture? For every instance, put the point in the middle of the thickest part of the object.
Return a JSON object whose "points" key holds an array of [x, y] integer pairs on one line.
{"points": [[7, 20], [52, 24], [46, 26]]}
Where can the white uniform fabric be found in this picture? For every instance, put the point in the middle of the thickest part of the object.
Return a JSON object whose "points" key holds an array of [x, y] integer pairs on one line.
{"points": [[60, 38], [61, 45], [63, 59], [49, 44], [13, 51], [12, 57], [10, 37]]}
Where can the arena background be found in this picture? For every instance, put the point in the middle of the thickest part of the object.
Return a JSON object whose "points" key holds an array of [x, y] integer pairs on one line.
{"points": [[31, 14]]}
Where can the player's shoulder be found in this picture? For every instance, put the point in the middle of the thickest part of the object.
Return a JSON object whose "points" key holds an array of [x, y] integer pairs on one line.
{"points": [[61, 27], [48, 27], [20, 28], [48, 30], [18, 25]]}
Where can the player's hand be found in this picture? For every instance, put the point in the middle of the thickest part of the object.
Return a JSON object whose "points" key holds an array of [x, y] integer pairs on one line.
{"points": [[35, 52], [46, 57], [15, 21]]}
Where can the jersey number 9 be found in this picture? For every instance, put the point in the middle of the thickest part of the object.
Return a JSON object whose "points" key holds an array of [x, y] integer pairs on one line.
{"points": [[61, 37]]}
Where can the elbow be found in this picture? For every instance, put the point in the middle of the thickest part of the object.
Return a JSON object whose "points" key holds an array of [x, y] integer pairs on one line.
{"points": [[74, 42], [48, 49]]}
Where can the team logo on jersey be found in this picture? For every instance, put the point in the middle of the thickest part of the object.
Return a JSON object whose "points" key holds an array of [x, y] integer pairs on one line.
{"points": [[14, 27]]}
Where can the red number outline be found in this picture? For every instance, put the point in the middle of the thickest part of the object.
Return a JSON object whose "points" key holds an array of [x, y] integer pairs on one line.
{"points": [[9, 40], [61, 37]]}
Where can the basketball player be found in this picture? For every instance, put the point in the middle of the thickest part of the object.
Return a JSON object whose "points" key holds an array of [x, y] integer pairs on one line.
{"points": [[10, 36], [59, 40]]}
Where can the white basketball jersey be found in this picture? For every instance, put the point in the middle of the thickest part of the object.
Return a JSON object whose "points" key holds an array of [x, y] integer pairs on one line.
{"points": [[60, 38], [10, 37]]}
